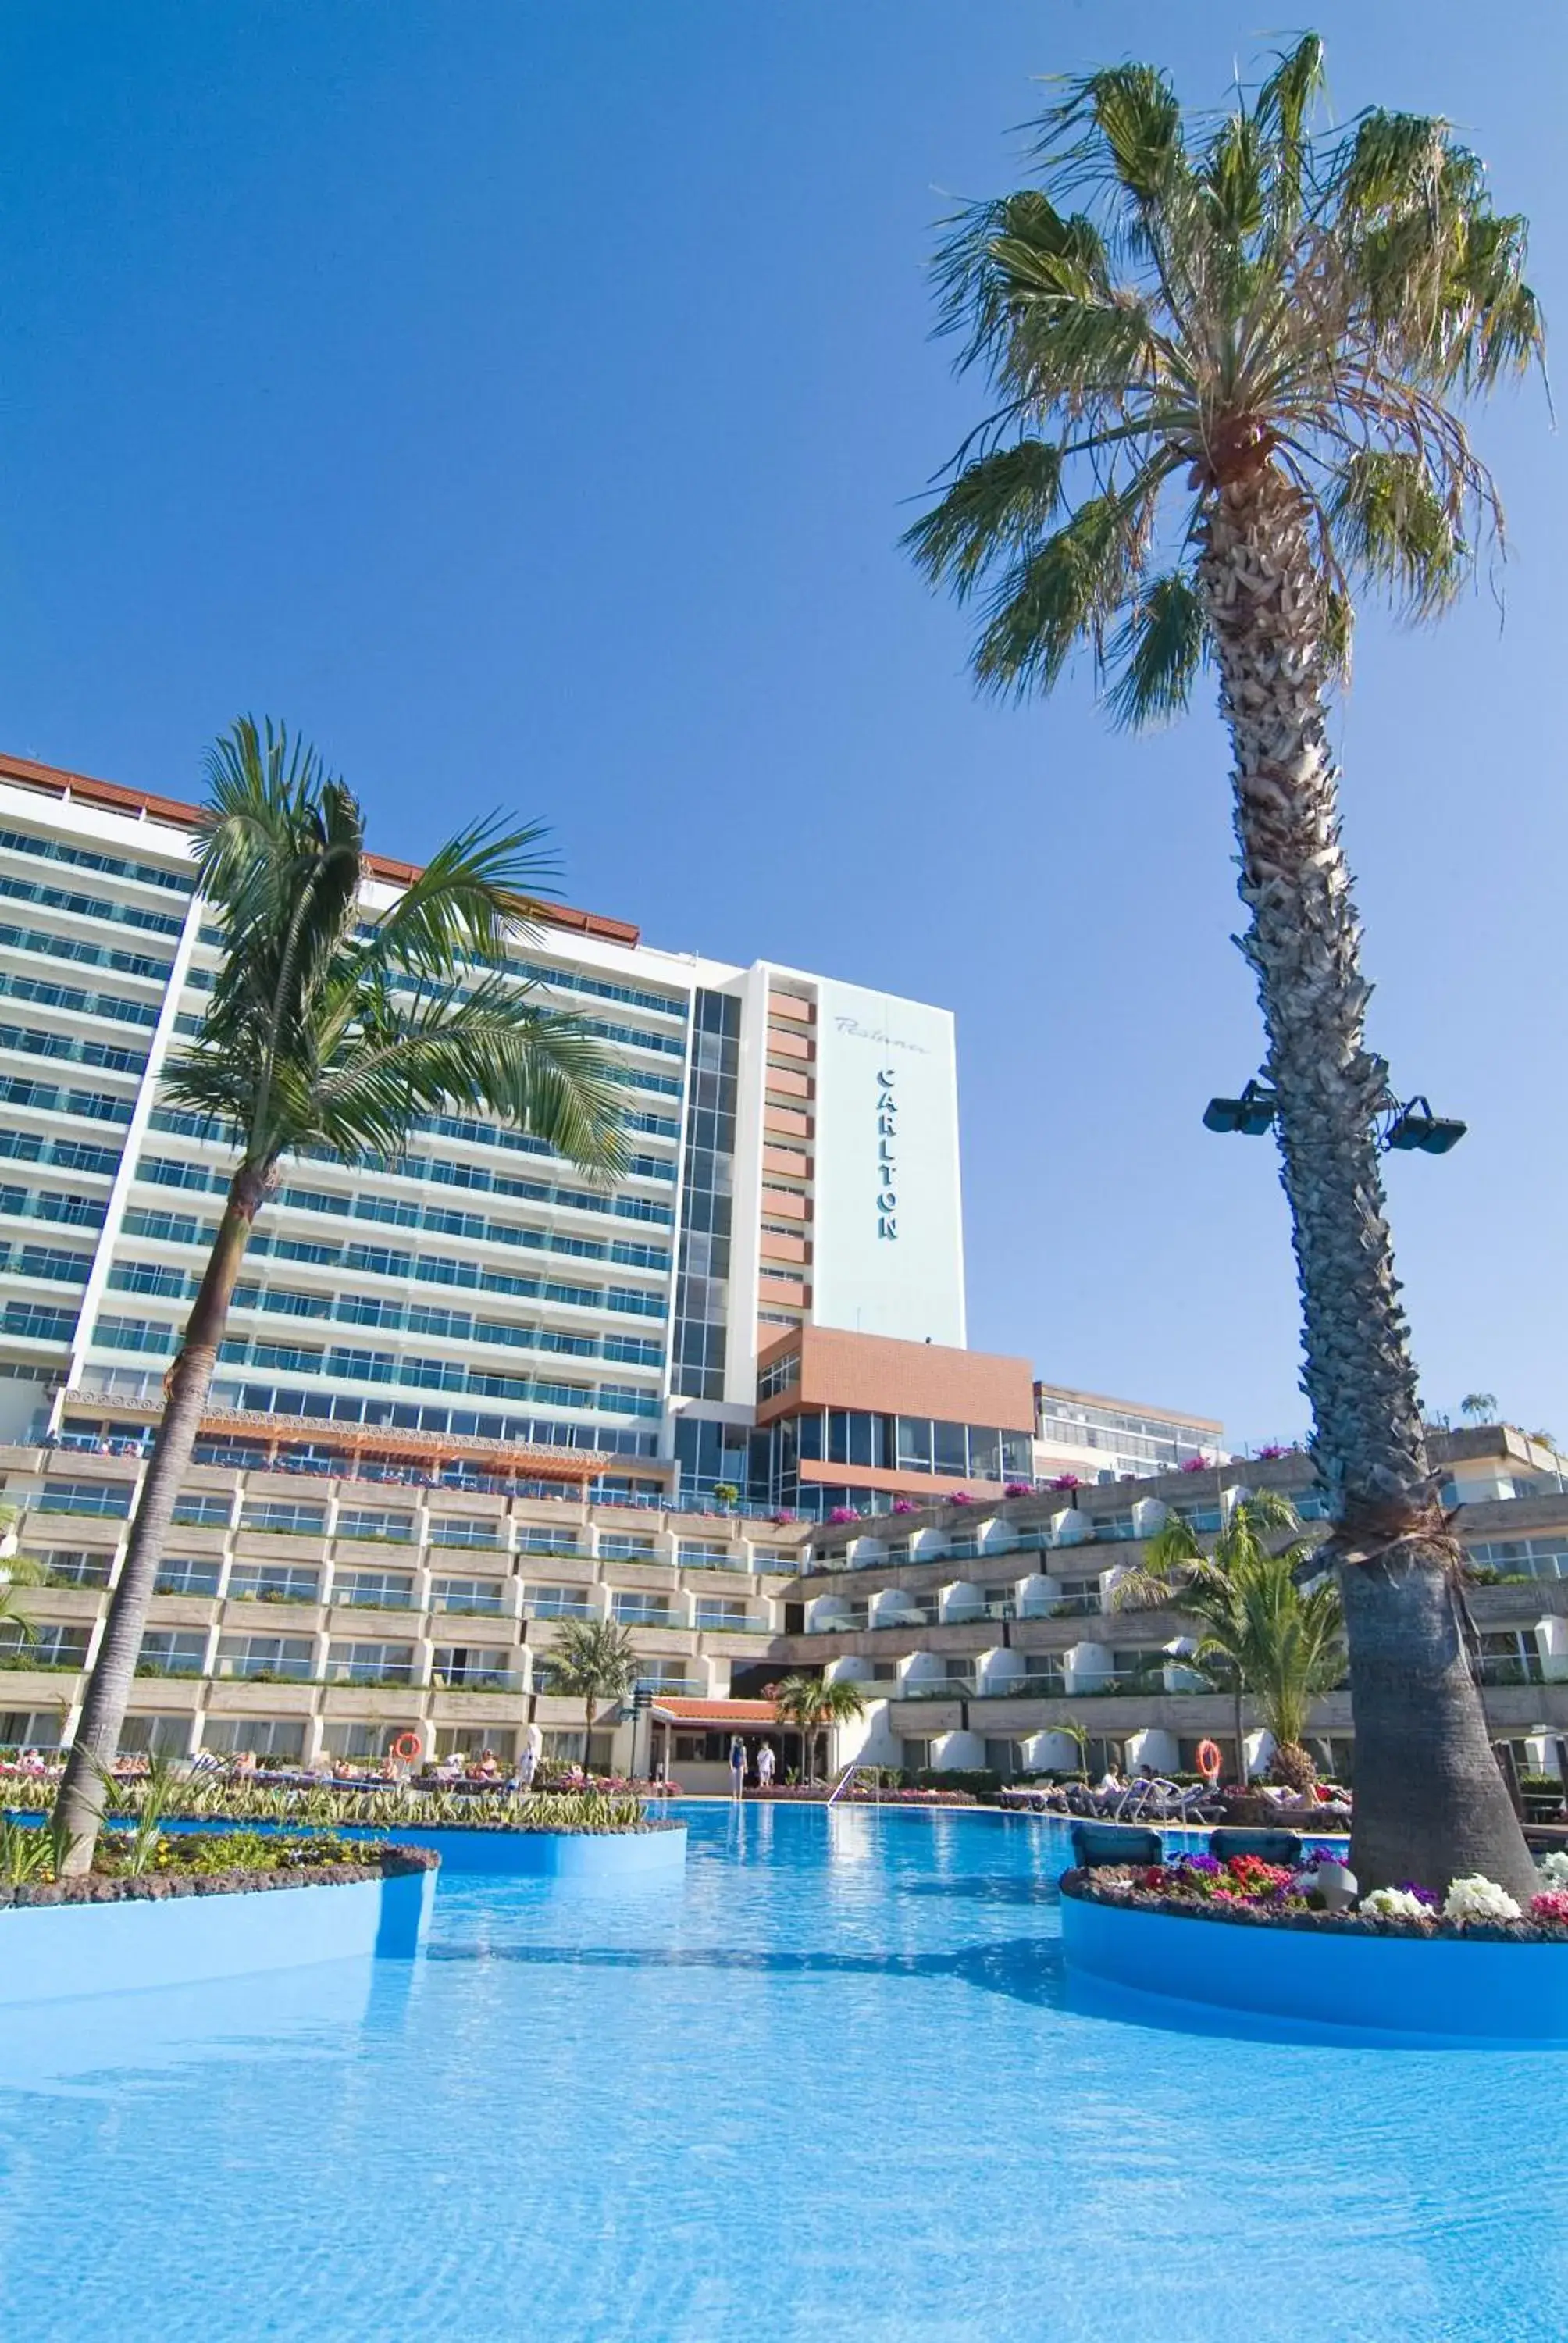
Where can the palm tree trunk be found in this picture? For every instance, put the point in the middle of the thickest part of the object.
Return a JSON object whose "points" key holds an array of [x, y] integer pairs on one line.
{"points": [[1240, 1743], [79, 1807], [1429, 1802], [591, 1715]]}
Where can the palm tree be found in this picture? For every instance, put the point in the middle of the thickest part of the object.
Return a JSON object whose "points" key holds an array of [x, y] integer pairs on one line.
{"points": [[329, 1031], [592, 1660], [1480, 1407], [1233, 358], [1260, 1632], [811, 1705], [16, 1569]]}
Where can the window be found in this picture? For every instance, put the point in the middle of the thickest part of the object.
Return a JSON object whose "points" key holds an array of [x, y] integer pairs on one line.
{"points": [[373, 1590], [371, 1663], [155, 1736], [286, 1658], [364, 1744], [695, 1555], [702, 1280], [642, 1610], [615, 1545], [459, 1529], [280, 1738], [77, 1566], [556, 1602], [179, 1575], [201, 1512], [51, 1646], [168, 1651], [110, 1499], [356, 1522], [473, 1740], [779, 1375], [534, 1540], [474, 1668], [718, 1612], [476, 1594], [273, 1581], [282, 1517]]}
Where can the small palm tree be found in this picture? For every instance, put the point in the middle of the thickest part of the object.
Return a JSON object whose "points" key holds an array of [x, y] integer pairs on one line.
{"points": [[1259, 1633], [1233, 358], [813, 1703], [332, 1030], [16, 1569], [1480, 1407], [592, 1660]]}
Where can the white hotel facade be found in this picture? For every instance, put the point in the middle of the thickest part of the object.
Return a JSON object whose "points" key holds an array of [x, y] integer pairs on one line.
{"points": [[795, 1162], [464, 1393]]}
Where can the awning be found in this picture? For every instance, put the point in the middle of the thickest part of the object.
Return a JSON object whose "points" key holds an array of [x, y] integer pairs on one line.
{"points": [[712, 1715]]}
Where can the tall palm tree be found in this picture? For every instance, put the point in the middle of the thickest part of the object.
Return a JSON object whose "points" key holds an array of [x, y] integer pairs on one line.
{"points": [[1233, 356], [333, 1030], [1260, 1632], [592, 1660], [813, 1703]]}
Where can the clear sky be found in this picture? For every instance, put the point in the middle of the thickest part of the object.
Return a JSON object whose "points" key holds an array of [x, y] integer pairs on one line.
{"points": [[524, 397]]}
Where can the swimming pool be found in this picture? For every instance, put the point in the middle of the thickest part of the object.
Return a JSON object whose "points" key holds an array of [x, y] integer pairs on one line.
{"points": [[827, 2086]]}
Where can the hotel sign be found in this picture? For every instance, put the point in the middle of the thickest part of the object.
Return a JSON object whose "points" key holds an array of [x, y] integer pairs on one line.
{"points": [[887, 1243], [887, 1159]]}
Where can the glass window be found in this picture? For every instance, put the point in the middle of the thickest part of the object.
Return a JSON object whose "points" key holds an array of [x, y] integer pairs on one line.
{"points": [[914, 1443], [272, 1582], [1017, 1456], [180, 1576], [812, 1429], [862, 1435], [950, 1448], [985, 1454]]}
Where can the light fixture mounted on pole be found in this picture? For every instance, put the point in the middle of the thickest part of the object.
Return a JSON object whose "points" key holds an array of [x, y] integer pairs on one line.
{"points": [[1408, 1124]]}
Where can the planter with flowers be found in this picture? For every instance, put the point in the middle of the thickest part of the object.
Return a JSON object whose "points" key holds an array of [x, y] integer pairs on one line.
{"points": [[1190, 1939]]}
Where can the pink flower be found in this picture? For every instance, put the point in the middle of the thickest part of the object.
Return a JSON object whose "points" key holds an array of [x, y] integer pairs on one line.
{"points": [[960, 1497], [1552, 1905], [1067, 1481], [1019, 1489]]}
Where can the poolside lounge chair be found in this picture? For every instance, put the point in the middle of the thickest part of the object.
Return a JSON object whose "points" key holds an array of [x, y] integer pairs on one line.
{"points": [[1269, 1846], [1094, 1844]]}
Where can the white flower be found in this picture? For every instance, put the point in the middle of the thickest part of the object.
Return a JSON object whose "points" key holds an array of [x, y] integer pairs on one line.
{"points": [[1554, 1869], [1395, 1903], [1479, 1900]]}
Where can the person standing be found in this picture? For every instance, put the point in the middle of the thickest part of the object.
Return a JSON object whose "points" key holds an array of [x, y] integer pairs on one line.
{"points": [[737, 1767], [527, 1763], [766, 1762]]}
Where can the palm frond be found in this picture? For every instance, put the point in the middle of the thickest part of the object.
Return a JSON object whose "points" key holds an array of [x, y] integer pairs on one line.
{"points": [[477, 891], [1400, 530], [1157, 653], [999, 502]]}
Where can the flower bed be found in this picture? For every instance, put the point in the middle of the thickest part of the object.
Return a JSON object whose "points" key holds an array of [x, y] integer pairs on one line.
{"points": [[214, 1863], [186, 1910], [1247, 1889], [1183, 1942]]}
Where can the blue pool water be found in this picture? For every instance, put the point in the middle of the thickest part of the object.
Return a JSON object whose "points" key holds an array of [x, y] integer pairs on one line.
{"points": [[829, 2088]]}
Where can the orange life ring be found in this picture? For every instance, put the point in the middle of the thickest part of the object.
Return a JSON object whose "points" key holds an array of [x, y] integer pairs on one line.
{"points": [[1209, 1760], [408, 1746]]}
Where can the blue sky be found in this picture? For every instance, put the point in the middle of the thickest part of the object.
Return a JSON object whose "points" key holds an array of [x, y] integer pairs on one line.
{"points": [[525, 399]]}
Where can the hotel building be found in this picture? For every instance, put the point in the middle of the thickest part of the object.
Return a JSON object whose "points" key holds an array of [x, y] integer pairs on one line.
{"points": [[463, 1392], [978, 1634]]}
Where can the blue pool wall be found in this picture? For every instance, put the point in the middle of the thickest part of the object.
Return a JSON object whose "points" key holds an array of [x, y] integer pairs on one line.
{"points": [[55, 1952], [1338, 1986]]}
